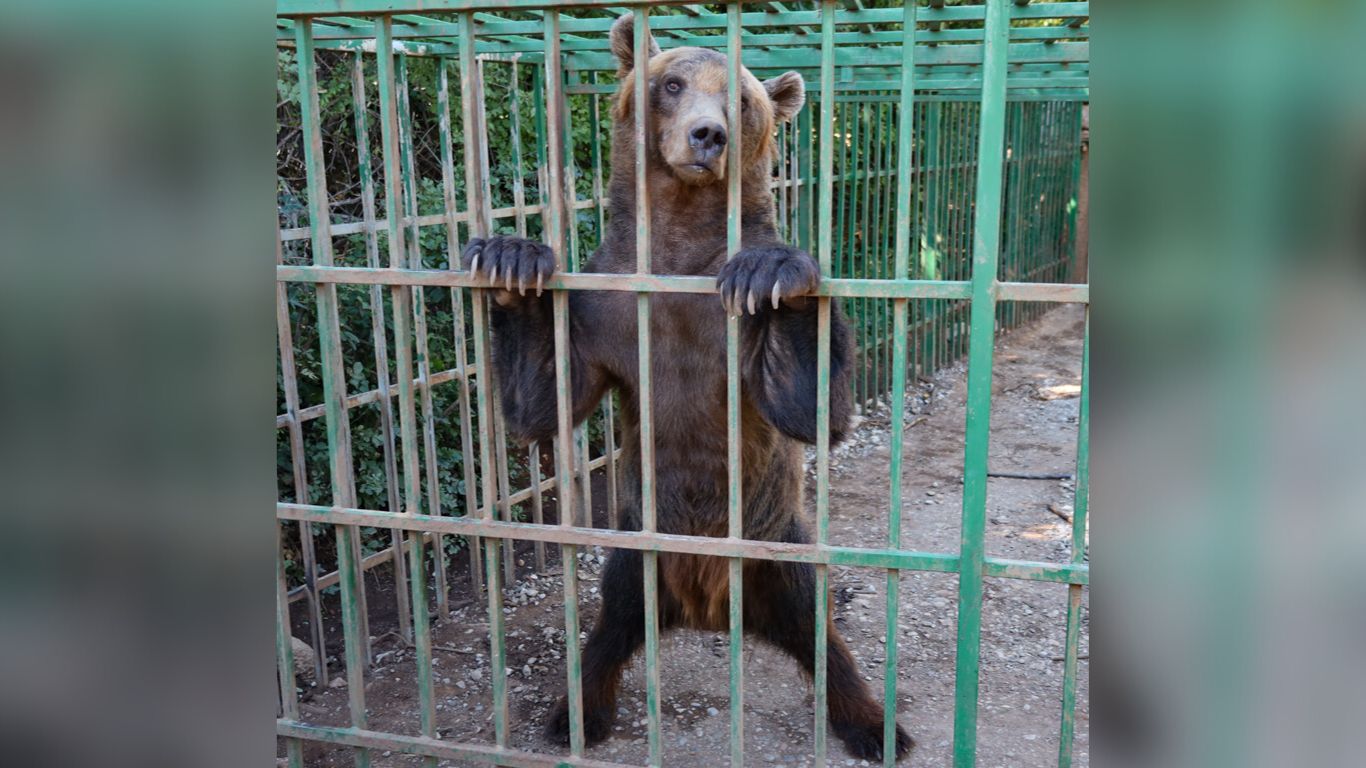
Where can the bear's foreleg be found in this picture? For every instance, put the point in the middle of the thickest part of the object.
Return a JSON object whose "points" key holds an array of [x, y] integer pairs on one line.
{"points": [[522, 317], [769, 287]]}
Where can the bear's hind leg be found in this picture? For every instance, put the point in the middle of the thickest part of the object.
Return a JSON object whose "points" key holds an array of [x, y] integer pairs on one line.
{"points": [[780, 605], [618, 634]]}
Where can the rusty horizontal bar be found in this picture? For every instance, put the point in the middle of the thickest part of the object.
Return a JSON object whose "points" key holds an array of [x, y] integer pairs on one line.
{"points": [[337, 229], [432, 219], [634, 283], [1032, 571], [372, 396], [385, 555], [1066, 293], [495, 28], [367, 563], [492, 25], [428, 747], [631, 283], [695, 545]]}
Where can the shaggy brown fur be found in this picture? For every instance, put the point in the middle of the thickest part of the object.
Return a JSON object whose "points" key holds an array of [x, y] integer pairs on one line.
{"points": [[768, 284]]}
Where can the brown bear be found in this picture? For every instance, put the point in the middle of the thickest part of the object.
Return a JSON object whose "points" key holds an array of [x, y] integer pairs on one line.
{"points": [[768, 284]]}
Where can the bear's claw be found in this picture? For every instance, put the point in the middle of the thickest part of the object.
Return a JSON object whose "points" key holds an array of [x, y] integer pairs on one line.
{"points": [[504, 259], [776, 271]]}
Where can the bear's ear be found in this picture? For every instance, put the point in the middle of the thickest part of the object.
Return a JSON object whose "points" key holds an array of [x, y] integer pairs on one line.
{"points": [[788, 93], [624, 43]]}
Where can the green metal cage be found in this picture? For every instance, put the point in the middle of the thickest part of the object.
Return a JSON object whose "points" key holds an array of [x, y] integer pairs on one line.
{"points": [[934, 173]]}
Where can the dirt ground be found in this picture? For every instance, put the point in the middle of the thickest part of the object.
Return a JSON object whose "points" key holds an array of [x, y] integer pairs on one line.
{"points": [[1033, 430]]}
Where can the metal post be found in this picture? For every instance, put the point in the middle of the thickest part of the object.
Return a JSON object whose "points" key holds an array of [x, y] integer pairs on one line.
{"points": [[986, 251]]}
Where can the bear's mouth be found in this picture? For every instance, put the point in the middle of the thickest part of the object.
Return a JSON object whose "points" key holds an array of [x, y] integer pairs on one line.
{"points": [[696, 172]]}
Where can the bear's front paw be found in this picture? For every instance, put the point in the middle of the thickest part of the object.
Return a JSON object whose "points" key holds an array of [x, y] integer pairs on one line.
{"points": [[764, 276], [501, 261]]}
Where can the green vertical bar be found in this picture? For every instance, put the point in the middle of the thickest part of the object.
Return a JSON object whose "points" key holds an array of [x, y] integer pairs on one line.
{"points": [[840, 169], [888, 228], [538, 102], [459, 334], [571, 174], [986, 251], [608, 417], [582, 476], [857, 266], [870, 241], [929, 251], [564, 442], [422, 637], [290, 385], [1062, 192], [477, 205], [379, 337], [784, 229], [965, 189], [865, 253], [735, 525], [414, 256], [1079, 508], [609, 420], [334, 386], [1054, 191], [823, 373], [518, 171], [806, 175], [900, 271], [650, 559], [284, 655], [886, 199], [1011, 232], [595, 130], [533, 465], [966, 213], [1074, 195], [943, 258], [951, 258], [1032, 179]]}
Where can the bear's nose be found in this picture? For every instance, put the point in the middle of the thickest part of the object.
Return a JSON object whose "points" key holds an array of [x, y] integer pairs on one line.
{"points": [[707, 136]]}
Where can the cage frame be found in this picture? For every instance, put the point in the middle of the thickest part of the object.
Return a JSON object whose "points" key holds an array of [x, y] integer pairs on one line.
{"points": [[933, 65]]}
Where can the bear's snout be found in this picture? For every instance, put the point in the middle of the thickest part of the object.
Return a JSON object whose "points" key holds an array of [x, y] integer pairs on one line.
{"points": [[707, 139]]}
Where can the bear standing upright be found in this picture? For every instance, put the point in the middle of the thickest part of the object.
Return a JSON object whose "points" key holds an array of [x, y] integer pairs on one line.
{"points": [[768, 285]]}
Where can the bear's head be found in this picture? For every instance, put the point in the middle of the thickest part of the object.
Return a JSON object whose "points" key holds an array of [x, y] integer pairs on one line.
{"points": [[687, 124]]}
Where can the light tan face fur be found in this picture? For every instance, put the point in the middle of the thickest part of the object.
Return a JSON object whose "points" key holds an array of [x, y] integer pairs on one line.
{"points": [[688, 123]]}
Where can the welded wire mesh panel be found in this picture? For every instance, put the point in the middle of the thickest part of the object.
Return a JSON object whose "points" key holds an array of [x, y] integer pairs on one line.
{"points": [[932, 175]]}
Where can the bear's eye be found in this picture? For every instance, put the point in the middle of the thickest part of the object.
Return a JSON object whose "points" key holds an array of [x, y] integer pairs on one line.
{"points": [[673, 86]]}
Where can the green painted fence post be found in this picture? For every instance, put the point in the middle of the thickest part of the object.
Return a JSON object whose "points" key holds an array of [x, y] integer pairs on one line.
{"points": [[986, 252]]}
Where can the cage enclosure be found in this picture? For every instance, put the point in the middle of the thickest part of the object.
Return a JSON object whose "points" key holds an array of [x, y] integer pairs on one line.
{"points": [[933, 173]]}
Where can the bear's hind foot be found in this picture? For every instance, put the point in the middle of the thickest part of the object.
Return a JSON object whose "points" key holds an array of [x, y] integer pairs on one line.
{"points": [[864, 741], [597, 723]]}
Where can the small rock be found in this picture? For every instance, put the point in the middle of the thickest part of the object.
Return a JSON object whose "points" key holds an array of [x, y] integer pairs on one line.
{"points": [[304, 658], [713, 711], [337, 682]]}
